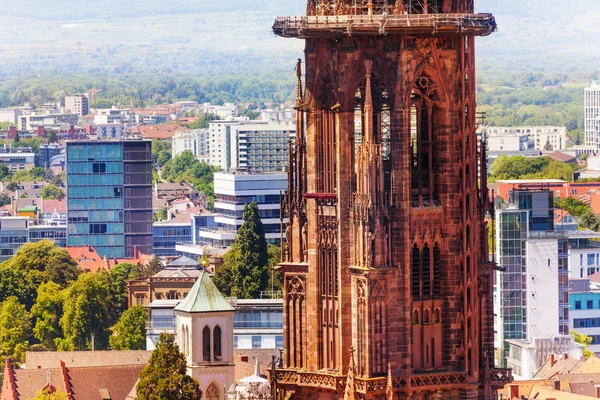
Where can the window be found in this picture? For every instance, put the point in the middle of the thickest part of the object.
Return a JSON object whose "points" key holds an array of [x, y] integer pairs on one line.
{"points": [[217, 344], [206, 344], [578, 305], [118, 192], [99, 168], [97, 228], [590, 304]]}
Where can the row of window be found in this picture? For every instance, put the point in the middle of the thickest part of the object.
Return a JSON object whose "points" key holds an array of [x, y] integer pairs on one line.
{"points": [[95, 204], [94, 180], [586, 322], [91, 192], [589, 305], [106, 240], [426, 317]]}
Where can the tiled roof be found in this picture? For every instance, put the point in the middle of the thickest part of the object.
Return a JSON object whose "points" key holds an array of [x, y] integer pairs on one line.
{"points": [[204, 297], [87, 258], [543, 393], [561, 157], [164, 131], [89, 383]]}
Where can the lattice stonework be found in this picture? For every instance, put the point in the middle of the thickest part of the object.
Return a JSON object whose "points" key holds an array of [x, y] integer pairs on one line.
{"points": [[386, 250]]}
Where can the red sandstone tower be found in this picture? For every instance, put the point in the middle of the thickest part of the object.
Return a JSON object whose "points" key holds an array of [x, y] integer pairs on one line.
{"points": [[387, 284]]}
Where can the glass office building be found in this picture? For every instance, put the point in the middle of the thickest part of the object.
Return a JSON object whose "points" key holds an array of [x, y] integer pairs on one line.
{"points": [[109, 196]]}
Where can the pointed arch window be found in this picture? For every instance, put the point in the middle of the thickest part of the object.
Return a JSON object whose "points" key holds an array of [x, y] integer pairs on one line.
{"points": [[206, 344], [213, 392], [217, 340], [423, 99]]}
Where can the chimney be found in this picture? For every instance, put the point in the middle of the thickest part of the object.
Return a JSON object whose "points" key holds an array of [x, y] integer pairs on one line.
{"points": [[597, 389], [513, 392], [565, 356], [552, 360], [557, 385]]}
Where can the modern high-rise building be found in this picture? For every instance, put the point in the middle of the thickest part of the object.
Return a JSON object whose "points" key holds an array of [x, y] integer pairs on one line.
{"points": [[592, 115], [109, 196], [233, 192], [388, 286], [77, 104]]}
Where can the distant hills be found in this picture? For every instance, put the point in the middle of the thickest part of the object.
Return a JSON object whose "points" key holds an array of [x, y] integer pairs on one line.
{"points": [[201, 36]]}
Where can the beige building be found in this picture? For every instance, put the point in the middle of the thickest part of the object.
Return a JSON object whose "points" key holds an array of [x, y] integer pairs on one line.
{"points": [[77, 104], [545, 138]]}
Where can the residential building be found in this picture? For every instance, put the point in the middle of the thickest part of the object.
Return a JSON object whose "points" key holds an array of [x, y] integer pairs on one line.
{"points": [[205, 337], [263, 147], [167, 234], [10, 115], [54, 233], [584, 253], [51, 121], [13, 235], [258, 323], [172, 283], [196, 141], [125, 117], [526, 357], [17, 159], [233, 192], [544, 138], [45, 154], [161, 319], [592, 115], [508, 141], [109, 131], [109, 196], [584, 310], [77, 104], [222, 144], [532, 287]]}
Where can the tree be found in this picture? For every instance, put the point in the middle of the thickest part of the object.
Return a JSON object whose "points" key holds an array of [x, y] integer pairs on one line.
{"points": [[32, 265], [153, 267], [52, 137], [47, 312], [584, 340], [160, 215], [5, 199], [247, 261], [118, 278], [52, 192], [44, 395], [4, 172], [16, 140], [14, 329], [130, 332], [165, 375], [86, 316]]}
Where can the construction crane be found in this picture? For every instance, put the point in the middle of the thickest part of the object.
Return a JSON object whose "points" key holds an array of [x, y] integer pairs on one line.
{"points": [[92, 93]]}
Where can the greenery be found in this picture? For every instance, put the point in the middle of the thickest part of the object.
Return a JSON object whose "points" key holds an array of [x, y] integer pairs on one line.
{"points": [[520, 167], [577, 208], [130, 332], [35, 174], [165, 375], [52, 192], [203, 121], [584, 340], [5, 199], [245, 270], [47, 312], [14, 329], [32, 265], [86, 315], [186, 167], [160, 215], [161, 151], [44, 395]]}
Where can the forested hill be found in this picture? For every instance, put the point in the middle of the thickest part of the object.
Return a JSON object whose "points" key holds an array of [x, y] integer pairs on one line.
{"points": [[207, 37]]}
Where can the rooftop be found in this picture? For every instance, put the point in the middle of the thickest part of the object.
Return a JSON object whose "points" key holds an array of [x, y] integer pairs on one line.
{"points": [[204, 297]]}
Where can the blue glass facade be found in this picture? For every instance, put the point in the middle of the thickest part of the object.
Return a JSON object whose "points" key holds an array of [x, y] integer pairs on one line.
{"points": [[109, 203], [167, 235]]}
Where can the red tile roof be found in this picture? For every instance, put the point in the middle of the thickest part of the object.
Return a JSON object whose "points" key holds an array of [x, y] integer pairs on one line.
{"points": [[90, 261], [164, 131]]}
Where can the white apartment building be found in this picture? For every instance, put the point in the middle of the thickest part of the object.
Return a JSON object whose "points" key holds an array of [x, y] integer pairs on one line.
{"points": [[584, 254], [250, 146], [10, 115], [125, 117], [233, 192], [263, 146], [110, 131], [509, 142], [545, 138], [77, 104], [195, 141], [592, 115], [31, 122]]}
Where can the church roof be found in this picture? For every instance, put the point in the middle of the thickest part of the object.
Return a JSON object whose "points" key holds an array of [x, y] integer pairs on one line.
{"points": [[184, 262], [204, 297]]}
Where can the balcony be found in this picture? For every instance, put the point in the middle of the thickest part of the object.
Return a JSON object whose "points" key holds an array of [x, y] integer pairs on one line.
{"points": [[338, 26]]}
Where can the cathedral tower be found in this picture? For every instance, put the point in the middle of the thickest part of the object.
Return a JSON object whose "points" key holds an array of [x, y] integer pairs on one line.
{"points": [[387, 284]]}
